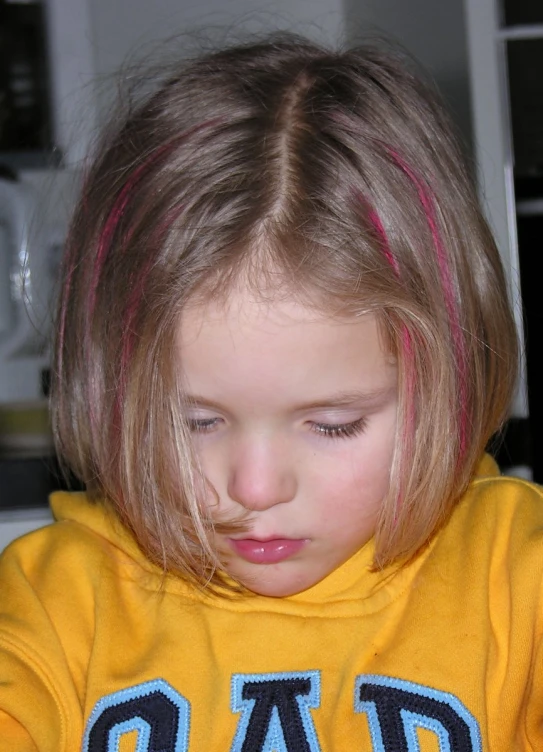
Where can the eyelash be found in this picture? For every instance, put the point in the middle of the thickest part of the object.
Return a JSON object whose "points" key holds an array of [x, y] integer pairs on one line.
{"points": [[328, 430], [201, 426], [340, 430]]}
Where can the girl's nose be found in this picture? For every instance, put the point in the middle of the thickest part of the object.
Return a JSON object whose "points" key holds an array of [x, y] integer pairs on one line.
{"points": [[261, 476]]}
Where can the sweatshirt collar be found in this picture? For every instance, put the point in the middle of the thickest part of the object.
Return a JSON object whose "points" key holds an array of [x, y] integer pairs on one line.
{"points": [[355, 586]]}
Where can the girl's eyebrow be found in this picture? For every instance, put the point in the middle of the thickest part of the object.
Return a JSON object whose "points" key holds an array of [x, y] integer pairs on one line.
{"points": [[350, 399], [340, 399]]}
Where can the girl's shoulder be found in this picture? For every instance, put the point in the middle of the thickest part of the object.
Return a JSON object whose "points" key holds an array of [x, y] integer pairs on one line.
{"points": [[83, 543], [498, 520], [498, 493]]}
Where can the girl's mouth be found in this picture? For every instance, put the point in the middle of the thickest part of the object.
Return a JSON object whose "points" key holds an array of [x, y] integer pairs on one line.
{"points": [[270, 551]]}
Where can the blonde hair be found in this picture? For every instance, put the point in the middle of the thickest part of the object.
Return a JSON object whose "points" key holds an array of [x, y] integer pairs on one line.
{"points": [[337, 171]]}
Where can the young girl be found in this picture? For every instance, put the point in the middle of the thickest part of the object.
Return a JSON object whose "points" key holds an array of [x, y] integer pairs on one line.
{"points": [[283, 345]]}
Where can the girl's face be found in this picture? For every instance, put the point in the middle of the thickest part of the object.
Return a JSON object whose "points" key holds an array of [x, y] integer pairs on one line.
{"points": [[294, 420]]}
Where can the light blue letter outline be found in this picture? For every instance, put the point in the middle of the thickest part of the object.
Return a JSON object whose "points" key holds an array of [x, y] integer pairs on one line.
{"points": [[275, 732], [412, 720], [135, 723]]}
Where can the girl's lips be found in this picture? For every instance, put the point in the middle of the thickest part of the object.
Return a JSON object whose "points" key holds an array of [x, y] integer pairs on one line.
{"points": [[267, 551]]}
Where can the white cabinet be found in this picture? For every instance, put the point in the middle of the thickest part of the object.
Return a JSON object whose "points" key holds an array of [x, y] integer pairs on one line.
{"points": [[505, 42], [493, 146]]}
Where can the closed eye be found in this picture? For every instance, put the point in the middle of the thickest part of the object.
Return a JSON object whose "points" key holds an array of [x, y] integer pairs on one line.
{"points": [[340, 430], [202, 425], [328, 430]]}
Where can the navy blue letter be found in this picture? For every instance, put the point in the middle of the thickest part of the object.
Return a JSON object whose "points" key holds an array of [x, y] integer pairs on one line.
{"points": [[158, 714], [275, 711], [395, 709]]}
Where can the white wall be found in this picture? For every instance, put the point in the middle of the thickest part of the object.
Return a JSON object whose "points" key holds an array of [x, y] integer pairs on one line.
{"points": [[431, 30], [130, 29]]}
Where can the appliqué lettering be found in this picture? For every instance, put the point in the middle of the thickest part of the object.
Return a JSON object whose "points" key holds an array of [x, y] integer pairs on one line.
{"points": [[275, 711], [158, 714], [396, 708], [276, 715]]}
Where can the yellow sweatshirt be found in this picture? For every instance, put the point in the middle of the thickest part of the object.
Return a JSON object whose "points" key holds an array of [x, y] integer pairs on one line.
{"points": [[98, 653]]}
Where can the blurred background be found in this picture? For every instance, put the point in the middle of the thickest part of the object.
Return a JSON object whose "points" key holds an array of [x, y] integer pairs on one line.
{"points": [[59, 66]]}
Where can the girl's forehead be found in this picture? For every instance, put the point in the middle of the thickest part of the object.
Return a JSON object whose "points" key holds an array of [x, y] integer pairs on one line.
{"points": [[276, 344], [253, 314], [252, 310]]}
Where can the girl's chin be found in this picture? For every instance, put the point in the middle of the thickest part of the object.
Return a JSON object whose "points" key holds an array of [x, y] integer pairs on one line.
{"points": [[274, 582]]}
